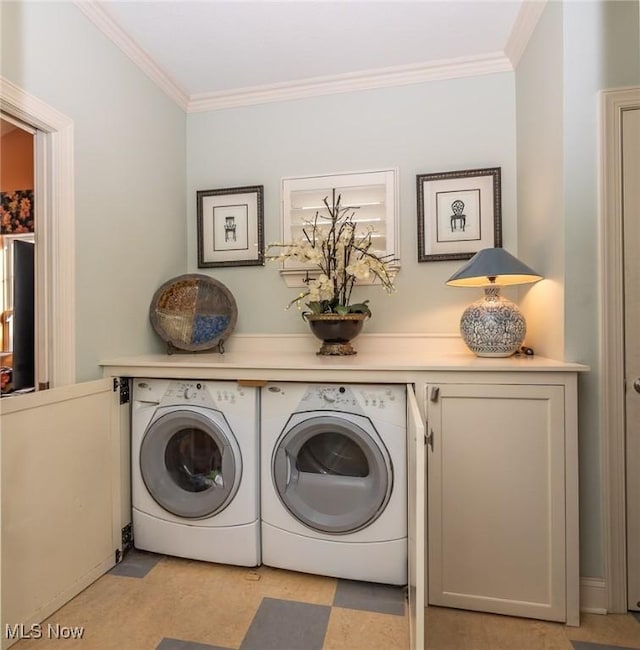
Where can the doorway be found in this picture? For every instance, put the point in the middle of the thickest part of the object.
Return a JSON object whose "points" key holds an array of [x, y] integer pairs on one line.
{"points": [[620, 443], [17, 257], [55, 261], [631, 234]]}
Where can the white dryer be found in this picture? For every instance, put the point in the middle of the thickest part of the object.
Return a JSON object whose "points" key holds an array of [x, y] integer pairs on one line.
{"points": [[334, 480], [195, 470]]}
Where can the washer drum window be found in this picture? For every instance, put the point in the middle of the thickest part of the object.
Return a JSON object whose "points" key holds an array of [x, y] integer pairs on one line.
{"points": [[332, 475], [189, 464]]}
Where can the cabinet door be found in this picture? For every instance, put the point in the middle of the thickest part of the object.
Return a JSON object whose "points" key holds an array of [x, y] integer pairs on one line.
{"points": [[496, 496], [60, 487], [416, 512]]}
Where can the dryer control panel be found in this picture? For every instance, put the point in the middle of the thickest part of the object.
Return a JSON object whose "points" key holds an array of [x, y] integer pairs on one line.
{"points": [[353, 399]]}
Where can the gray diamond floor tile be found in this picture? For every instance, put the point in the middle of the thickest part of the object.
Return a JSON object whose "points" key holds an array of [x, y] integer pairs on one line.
{"points": [[287, 625], [370, 597], [176, 644], [136, 564], [587, 645]]}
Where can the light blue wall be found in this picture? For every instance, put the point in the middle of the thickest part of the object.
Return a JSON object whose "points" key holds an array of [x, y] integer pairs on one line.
{"points": [[588, 46], [539, 111], [129, 171], [601, 50], [438, 126]]}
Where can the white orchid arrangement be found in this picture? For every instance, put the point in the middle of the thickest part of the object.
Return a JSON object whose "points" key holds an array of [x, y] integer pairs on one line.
{"points": [[342, 254]]}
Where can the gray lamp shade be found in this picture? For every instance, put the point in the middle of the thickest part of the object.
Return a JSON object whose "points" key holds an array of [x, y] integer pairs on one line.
{"points": [[493, 266]]}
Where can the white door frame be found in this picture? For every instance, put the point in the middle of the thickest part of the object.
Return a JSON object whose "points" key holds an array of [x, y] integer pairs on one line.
{"points": [[55, 198], [612, 408]]}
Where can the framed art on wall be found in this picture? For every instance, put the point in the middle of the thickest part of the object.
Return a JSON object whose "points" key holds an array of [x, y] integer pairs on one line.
{"points": [[459, 213], [231, 226]]}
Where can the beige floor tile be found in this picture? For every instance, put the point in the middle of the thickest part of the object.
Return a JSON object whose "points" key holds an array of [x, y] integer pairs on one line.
{"points": [[197, 601], [451, 629], [179, 598], [215, 604], [351, 629], [302, 587], [612, 629], [259, 582], [113, 614], [507, 633]]}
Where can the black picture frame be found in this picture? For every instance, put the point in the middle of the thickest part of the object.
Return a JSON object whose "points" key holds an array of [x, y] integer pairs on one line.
{"points": [[230, 226], [459, 213]]}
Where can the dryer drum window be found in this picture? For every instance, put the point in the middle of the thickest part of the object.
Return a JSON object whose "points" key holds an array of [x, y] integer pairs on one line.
{"points": [[332, 475], [189, 464], [332, 453]]}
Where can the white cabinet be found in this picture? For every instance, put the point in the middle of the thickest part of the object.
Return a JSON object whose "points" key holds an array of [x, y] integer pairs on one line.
{"points": [[500, 500], [61, 500], [416, 476], [502, 472]]}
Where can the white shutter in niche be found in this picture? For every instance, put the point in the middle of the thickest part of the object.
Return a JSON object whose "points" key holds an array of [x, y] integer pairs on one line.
{"points": [[372, 195]]}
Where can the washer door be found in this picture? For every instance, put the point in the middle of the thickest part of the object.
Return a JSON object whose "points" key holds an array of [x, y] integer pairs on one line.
{"points": [[332, 475], [190, 465]]}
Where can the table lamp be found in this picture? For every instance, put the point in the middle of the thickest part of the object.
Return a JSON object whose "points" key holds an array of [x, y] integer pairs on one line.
{"points": [[493, 326]]}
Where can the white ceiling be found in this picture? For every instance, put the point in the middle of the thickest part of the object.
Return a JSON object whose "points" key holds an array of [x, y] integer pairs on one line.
{"points": [[221, 47]]}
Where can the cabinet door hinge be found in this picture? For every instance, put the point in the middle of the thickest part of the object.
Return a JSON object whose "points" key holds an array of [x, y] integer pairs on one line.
{"points": [[123, 384], [127, 538], [428, 439]]}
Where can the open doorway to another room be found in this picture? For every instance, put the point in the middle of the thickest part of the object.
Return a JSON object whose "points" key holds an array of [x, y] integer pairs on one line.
{"points": [[17, 257]]}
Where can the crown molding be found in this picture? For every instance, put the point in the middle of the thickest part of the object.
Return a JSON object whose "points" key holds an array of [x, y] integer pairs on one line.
{"points": [[352, 81], [95, 12], [526, 21], [287, 91]]}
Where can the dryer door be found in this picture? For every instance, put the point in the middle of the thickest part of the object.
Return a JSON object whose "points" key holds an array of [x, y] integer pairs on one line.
{"points": [[332, 475], [190, 463]]}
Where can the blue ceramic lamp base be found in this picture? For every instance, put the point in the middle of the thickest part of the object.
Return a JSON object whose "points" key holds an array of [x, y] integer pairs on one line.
{"points": [[493, 326]]}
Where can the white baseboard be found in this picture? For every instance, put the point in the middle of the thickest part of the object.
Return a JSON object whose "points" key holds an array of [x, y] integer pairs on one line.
{"points": [[593, 595]]}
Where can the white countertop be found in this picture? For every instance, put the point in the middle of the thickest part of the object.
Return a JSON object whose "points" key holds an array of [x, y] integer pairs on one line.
{"points": [[268, 356]]}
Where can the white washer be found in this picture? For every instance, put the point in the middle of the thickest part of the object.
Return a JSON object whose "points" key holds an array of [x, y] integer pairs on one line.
{"points": [[195, 470], [334, 480]]}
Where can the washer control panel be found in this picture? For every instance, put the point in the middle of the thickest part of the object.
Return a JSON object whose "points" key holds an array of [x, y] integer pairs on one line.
{"points": [[197, 393], [186, 392]]}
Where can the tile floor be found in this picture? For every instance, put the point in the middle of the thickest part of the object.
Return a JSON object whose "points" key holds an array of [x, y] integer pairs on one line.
{"points": [[152, 602]]}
